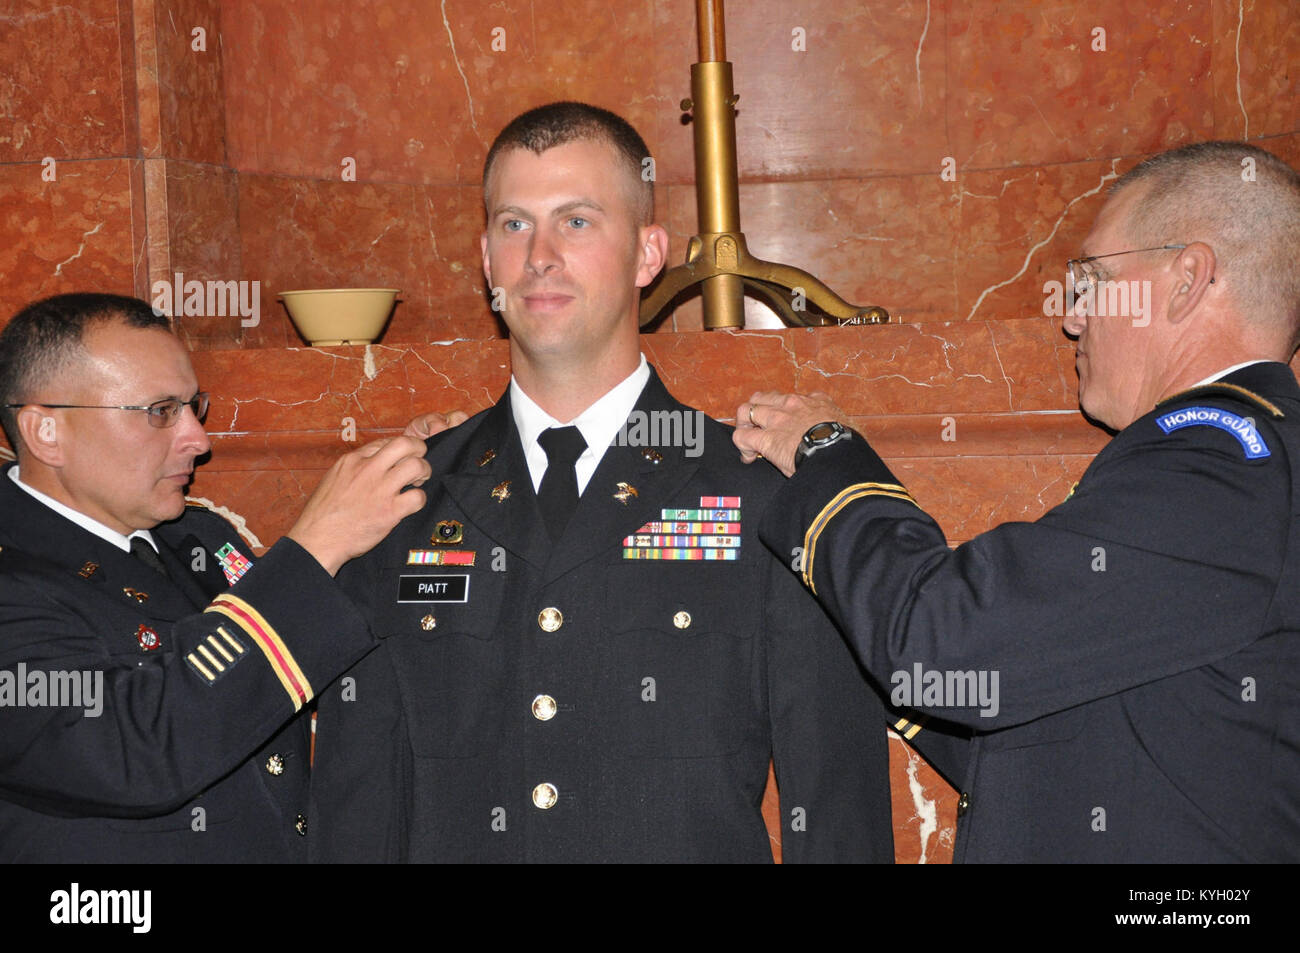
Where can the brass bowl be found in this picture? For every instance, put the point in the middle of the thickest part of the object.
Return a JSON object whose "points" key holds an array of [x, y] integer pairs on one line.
{"points": [[328, 317]]}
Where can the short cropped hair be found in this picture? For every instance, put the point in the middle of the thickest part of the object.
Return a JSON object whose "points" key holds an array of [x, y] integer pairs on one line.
{"points": [[1240, 200], [47, 336], [557, 124]]}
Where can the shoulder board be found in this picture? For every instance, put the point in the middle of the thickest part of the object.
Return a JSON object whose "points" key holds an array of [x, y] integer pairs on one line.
{"points": [[1220, 389]]}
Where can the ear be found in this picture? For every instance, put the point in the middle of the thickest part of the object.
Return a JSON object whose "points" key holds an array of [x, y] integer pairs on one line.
{"points": [[652, 252], [40, 435], [1193, 274], [487, 264]]}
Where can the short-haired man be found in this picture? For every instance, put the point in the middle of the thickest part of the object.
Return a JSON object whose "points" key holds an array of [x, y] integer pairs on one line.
{"points": [[585, 653], [150, 672], [1146, 632]]}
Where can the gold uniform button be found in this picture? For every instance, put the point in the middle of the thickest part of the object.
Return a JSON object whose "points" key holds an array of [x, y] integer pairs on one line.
{"points": [[963, 804], [545, 795], [544, 708], [275, 765], [682, 620], [428, 623], [550, 619], [300, 825]]}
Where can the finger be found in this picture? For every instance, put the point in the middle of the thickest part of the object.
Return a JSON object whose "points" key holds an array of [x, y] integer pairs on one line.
{"points": [[457, 417], [372, 448], [412, 501], [397, 448], [409, 471]]}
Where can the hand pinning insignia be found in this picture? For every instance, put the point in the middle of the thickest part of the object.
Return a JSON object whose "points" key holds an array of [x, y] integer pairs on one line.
{"points": [[447, 533], [501, 492], [626, 493]]}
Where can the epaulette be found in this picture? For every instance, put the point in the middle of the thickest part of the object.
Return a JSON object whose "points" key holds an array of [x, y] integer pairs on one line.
{"points": [[1230, 390]]}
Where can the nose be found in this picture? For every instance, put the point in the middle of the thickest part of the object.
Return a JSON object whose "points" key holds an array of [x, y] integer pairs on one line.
{"points": [[1076, 319], [190, 435], [543, 252]]}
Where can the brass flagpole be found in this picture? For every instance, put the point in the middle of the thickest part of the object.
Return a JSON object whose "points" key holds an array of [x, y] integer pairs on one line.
{"points": [[717, 258]]}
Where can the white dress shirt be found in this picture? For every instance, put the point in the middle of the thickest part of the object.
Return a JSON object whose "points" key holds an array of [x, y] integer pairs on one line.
{"points": [[599, 424], [1235, 367], [81, 519]]}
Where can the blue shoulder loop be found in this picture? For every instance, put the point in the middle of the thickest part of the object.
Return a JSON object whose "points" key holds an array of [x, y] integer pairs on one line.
{"points": [[1243, 428]]}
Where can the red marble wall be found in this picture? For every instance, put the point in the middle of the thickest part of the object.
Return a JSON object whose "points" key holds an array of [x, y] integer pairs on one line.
{"points": [[221, 155]]}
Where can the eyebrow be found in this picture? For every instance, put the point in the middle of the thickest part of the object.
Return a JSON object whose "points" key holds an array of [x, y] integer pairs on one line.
{"points": [[564, 209]]}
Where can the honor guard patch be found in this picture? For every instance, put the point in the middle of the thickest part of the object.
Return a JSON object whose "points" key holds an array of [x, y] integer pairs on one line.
{"points": [[710, 532], [233, 563], [1242, 428]]}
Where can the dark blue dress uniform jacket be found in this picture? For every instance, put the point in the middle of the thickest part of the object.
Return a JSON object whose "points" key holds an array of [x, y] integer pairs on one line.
{"points": [[1146, 632], [201, 683], [673, 682]]}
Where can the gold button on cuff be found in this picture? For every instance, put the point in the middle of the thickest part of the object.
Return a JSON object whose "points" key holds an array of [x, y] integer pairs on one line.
{"points": [[682, 620], [275, 765], [550, 619], [545, 795], [544, 707]]}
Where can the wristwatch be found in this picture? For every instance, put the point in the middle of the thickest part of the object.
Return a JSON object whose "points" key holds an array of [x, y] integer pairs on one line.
{"points": [[819, 437]]}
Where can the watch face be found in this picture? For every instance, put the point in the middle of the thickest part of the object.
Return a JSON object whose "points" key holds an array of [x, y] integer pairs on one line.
{"points": [[821, 432]]}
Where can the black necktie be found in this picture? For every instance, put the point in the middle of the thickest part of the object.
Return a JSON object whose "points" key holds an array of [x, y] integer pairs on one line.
{"points": [[558, 494], [142, 551]]}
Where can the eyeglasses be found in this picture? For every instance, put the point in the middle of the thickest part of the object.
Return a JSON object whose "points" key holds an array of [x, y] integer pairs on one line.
{"points": [[1081, 281], [162, 413]]}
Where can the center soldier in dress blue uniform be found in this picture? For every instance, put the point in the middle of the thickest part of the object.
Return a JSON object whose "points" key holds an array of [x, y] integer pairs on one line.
{"points": [[585, 652], [153, 680], [1146, 632]]}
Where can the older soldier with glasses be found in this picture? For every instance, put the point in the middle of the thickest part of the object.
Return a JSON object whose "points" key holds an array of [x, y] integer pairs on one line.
{"points": [[153, 679], [1146, 631]]}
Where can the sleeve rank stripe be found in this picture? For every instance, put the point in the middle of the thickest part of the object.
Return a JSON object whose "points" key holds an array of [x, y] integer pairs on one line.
{"points": [[268, 640], [233, 642], [212, 639], [831, 509], [908, 729], [212, 659], [200, 667]]}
